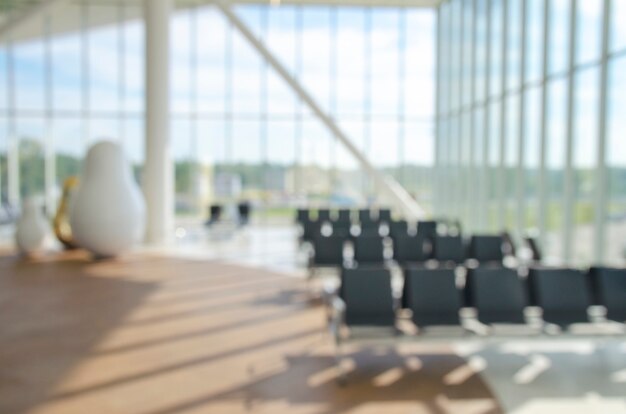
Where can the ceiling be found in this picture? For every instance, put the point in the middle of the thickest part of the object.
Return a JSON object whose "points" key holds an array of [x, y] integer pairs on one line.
{"points": [[21, 20]]}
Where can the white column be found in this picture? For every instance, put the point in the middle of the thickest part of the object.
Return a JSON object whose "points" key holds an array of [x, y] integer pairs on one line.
{"points": [[158, 171]]}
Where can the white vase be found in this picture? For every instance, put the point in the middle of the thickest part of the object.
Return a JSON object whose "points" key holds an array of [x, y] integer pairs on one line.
{"points": [[107, 213], [31, 229]]}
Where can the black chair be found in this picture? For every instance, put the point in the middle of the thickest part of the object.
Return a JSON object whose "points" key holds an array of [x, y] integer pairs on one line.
{"points": [[323, 215], [486, 249], [384, 215], [310, 230], [433, 297], [243, 209], [344, 215], [342, 222], [368, 297], [508, 245], [215, 213], [365, 215], [302, 215], [327, 251], [398, 228], [449, 249], [410, 249], [609, 288], [497, 294], [533, 245], [369, 250], [427, 229], [563, 295]]}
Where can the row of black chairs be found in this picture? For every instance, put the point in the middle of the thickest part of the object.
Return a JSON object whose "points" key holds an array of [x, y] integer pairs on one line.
{"points": [[364, 215], [216, 212], [330, 251], [498, 295]]}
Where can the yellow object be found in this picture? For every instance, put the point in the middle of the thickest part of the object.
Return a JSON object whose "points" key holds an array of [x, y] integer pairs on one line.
{"points": [[61, 222]]}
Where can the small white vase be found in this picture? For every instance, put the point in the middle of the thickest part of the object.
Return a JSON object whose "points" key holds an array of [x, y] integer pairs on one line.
{"points": [[31, 229], [107, 213]]}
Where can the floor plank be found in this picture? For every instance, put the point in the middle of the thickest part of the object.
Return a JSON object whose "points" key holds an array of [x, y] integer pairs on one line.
{"points": [[148, 334]]}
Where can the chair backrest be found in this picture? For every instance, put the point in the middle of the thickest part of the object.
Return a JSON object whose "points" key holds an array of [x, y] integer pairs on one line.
{"points": [[343, 215], [323, 214], [409, 249], [508, 245], [365, 215], [328, 250], [215, 211], [533, 245], [311, 230], [486, 248], [497, 294], [562, 294], [384, 214], [342, 221], [398, 228], [302, 215], [609, 288], [369, 249], [368, 297], [432, 295], [449, 249], [427, 229]]}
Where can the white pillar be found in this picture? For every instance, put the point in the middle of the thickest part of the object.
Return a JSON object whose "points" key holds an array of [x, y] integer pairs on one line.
{"points": [[158, 171]]}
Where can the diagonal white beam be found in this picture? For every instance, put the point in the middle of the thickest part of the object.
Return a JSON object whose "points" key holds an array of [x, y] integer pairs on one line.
{"points": [[384, 183], [27, 16]]}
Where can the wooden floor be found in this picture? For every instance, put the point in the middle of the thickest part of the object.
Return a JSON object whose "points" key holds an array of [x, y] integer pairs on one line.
{"points": [[157, 335]]}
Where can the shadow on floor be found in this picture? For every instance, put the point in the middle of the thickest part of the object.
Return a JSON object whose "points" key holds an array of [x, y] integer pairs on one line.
{"points": [[51, 316], [417, 381]]}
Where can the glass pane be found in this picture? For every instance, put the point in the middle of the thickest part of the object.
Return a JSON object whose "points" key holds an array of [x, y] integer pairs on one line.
{"points": [[384, 144], [134, 79], [534, 39], [589, 27], [419, 73], [384, 62], [559, 35], [66, 62], [511, 158], [514, 44], [31, 134], [134, 144], [615, 251], [351, 61], [532, 149], [555, 160], [104, 79], [68, 148], [211, 76], [315, 53], [495, 144], [618, 35], [468, 46], [585, 156], [481, 49], [4, 137], [180, 62], [497, 36], [29, 74]]}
